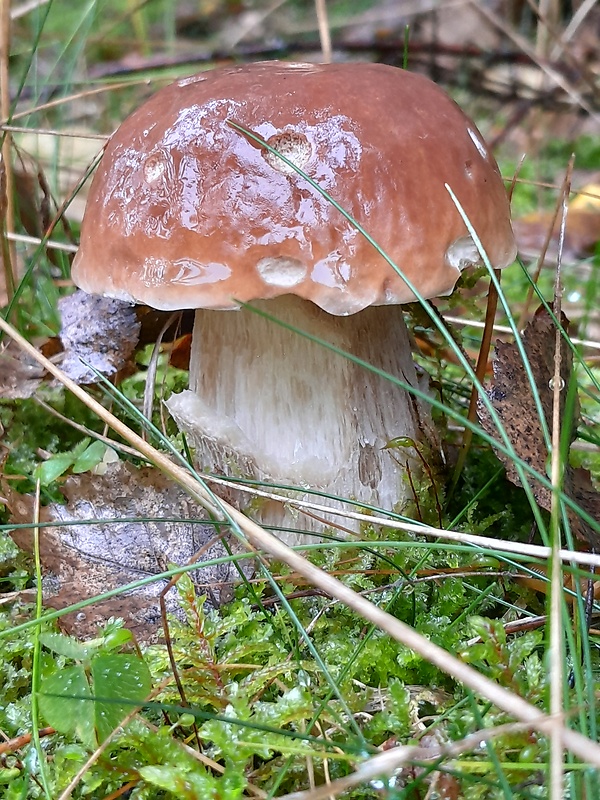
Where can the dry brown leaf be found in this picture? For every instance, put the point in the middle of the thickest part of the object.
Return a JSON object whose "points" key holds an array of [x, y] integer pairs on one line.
{"points": [[512, 398], [35, 205], [66, 158], [587, 198], [181, 351], [81, 561], [98, 333], [581, 234]]}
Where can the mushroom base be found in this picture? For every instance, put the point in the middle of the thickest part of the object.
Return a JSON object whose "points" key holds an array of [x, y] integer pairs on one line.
{"points": [[269, 404]]}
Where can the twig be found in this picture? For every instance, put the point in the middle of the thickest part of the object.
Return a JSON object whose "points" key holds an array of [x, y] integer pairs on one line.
{"points": [[37, 654], [480, 371], [324, 33], [8, 222], [390, 761], [153, 366], [576, 20], [61, 101], [21, 237], [548, 15], [102, 137], [546, 68], [473, 323], [485, 542], [562, 199], [18, 742], [123, 448], [26, 8], [98, 752], [556, 646]]}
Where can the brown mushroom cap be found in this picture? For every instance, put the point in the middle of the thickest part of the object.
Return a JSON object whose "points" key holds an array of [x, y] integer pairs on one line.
{"points": [[186, 212]]}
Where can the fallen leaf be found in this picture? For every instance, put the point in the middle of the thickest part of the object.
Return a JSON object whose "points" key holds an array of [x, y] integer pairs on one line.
{"points": [[511, 396], [180, 353], [581, 234], [35, 206], [66, 158], [160, 526], [587, 199]]}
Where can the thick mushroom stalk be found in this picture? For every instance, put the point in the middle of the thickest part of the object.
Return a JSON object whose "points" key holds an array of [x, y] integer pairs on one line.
{"points": [[267, 403]]}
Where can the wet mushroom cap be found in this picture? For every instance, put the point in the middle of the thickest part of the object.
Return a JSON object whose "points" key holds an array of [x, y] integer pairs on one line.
{"points": [[187, 212]]}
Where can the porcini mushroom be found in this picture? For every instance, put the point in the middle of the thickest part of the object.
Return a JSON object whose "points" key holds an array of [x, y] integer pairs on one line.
{"points": [[187, 212]]}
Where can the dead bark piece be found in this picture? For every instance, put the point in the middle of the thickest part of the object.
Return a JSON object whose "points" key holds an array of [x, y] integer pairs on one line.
{"points": [[159, 527]]}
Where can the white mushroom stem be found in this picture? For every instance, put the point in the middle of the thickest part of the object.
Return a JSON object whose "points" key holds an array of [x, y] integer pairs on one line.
{"points": [[267, 403]]}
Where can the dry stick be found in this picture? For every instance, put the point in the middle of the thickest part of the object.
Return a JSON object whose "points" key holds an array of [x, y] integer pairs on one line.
{"points": [[36, 659], [548, 16], [474, 323], [542, 257], [390, 761], [576, 20], [591, 560], [18, 742], [35, 240], [580, 745], [487, 542], [255, 21], [27, 8], [167, 632], [552, 73], [80, 95], [482, 356], [480, 370], [324, 33], [551, 46], [99, 750], [7, 185], [555, 649], [203, 759], [112, 443], [207, 762], [153, 367], [102, 137], [551, 185]]}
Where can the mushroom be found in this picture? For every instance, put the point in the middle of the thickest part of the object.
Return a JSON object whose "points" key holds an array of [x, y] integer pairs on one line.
{"points": [[185, 211]]}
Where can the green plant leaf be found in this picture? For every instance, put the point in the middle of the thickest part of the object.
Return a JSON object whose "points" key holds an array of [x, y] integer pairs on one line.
{"points": [[121, 681], [90, 457], [113, 639], [8, 775], [67, 646], [63, 703], [185, 784], [50, 470]]}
